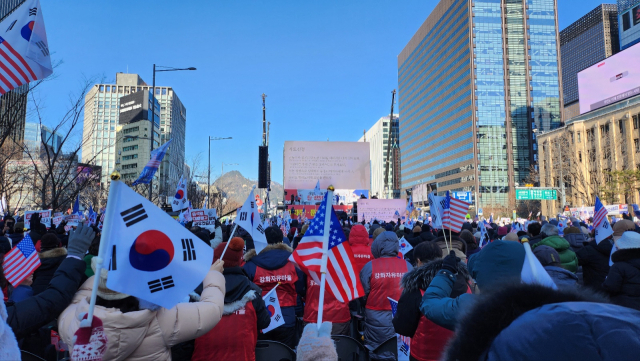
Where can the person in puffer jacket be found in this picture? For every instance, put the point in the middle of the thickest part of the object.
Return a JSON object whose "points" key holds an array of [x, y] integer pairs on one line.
{"points": [[575, 237], [623, 281], [381, 279], [568, 258], [140, 332], [244, 316], [361, 246], [428, 340]]}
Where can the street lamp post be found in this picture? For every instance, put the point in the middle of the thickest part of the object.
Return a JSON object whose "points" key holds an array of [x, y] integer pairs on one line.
{"points": [[153, 112], [209, 165]]}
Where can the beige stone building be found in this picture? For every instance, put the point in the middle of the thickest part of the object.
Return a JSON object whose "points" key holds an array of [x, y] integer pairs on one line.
{"points": [[584, 152]]}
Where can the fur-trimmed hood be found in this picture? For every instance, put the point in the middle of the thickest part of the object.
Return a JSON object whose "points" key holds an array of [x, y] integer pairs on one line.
{"points": [[631, 256], [493, 312], [419, 278], [281, 246], [232, 307], [53, 253], [273, 256]]}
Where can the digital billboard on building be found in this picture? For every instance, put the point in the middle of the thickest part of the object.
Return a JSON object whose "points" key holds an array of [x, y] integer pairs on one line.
{"points": [[611, 80], [137, 106]]}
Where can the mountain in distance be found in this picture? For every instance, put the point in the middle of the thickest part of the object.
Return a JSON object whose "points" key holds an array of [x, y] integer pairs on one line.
{"points": [[237, 187]]}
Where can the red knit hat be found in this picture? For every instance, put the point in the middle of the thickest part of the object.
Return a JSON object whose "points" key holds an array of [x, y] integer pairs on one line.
{"points": [[233, 256]]}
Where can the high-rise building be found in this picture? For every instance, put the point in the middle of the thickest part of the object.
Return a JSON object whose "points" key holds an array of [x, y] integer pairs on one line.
{"points": [[38, 135], [475, 81], [589, 40], [13, 104], [629, 22], [378, 138], [101, 119]]}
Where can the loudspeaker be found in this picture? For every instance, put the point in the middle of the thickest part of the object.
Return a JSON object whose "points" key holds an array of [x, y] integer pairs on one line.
{"points": [[263, 164], [269, 176]]}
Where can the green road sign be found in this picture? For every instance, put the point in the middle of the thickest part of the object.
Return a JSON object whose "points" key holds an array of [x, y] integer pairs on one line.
{"points": [[536, 194]]}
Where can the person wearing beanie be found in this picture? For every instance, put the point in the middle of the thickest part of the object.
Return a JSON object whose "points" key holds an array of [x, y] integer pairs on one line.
{"points": [[498, 263], [244, 315], [550, 260], [138, 330], [17, 235], [575, 237], [272, 267], [377, 232], [623, 281], [502, 231], [568, 258], [51, 256], [381, 279]]}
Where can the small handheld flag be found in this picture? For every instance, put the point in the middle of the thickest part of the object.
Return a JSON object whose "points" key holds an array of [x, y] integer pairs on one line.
{"points": [[600, 222], [405, 246], [249, 219], [403, 342], [152, 166], [180, 198], [532, 270], [20, 262], [272, 304]]}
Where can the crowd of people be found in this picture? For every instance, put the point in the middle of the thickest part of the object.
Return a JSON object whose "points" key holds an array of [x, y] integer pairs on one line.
{"points": [[460, 295]]}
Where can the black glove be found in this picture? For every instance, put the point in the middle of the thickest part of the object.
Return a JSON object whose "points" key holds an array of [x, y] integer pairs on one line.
{"points": [[450, 262], [34, 222], [217, 224]]}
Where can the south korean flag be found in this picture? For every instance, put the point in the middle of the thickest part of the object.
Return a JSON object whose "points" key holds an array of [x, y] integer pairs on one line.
{"points": [[273, 307], [149, 255], [180, 198], [249, 219]]}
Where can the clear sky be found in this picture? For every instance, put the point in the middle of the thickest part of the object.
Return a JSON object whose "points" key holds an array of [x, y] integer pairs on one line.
{"points": [[327, 67]]}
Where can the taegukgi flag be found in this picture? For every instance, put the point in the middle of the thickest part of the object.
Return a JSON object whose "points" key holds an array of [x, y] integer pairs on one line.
{"points": [[24, 50], [249, 219], [149, 255], [180, 199], [272, 304]]}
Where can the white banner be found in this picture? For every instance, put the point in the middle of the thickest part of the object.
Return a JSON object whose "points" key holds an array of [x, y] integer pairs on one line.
{"points": [[73, 219], [311, 196], [45, 218], [381, 209], [57, 220]]}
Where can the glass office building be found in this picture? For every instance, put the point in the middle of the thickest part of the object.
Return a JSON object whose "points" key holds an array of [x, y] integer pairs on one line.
{"points": [[475, 83]]}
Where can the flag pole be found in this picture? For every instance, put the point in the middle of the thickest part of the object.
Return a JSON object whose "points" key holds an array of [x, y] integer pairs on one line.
{"points": [[235, 227], [325, 250], [106, 236]]}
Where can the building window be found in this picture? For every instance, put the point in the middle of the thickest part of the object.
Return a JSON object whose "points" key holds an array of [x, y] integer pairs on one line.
{"points": [[130, 166], [131, 130], [129, 148], [620, 125], [580, 157], [101, 88], [129, 157], [579, 137], [635, 121], [636, 144]]}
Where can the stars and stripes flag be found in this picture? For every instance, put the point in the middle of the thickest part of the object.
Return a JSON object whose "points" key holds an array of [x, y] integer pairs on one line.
{"points": [[600, 222], [24, 50], [341, 278], [21, 261], [455, 212], [152, 166], [403, 342]]}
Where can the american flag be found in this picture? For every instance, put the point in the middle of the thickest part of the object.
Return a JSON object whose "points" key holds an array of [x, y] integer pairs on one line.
{"points": [[15, 70], [600, 213], [341, 278], [454, 212], [303, 215], [20, 262], [152, 166], [600, 222]]}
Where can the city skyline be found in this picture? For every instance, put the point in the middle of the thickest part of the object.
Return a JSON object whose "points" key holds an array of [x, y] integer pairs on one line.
{"points": [[333, 68]]}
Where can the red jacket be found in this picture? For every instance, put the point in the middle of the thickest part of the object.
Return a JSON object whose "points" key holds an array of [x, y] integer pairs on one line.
{"points": [[361, 247], [334, 310]]}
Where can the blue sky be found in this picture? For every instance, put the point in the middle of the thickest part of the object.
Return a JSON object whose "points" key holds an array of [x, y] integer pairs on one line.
{"points": [[328, 67]]}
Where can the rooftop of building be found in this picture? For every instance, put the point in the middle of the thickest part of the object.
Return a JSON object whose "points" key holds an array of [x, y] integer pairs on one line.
{"points": [[585, 23]]}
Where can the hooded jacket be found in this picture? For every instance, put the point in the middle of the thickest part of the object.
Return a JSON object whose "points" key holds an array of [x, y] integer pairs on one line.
{"points": [[229, 340], [49, 262], [274, 257], [594, 259], [533, 322], [623, 281], [148, 334], [568, 258], [562, 277], [408, 315], [361, 247], [576, 240], [378, 326]]}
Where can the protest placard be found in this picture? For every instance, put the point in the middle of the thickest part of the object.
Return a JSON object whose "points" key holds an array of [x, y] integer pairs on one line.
{"points": [[45, 217], [381, 209], [203, 217], [57, 220], [73, 219]]}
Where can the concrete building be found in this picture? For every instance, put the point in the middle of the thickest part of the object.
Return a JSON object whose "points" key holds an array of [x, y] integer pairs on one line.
{"points": [[37, 136], [101, 119], [378, 138], [629, 22], [589, 40], [583, 153], [474, 81]]}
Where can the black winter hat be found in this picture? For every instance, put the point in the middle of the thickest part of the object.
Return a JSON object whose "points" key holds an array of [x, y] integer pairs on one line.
{"points": [[273, 234]]}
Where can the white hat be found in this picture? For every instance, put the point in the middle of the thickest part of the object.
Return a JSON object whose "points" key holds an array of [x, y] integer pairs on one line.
{"points": [[103, 291], [628, 240]]}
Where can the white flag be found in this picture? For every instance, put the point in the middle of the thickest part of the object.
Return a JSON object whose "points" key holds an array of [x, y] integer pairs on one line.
{"points": [[273, 307], [249, 219], [24, 50], [3, 205], [150, 256], [404, 246], [532, 270], [180, 201], [437, 210]]}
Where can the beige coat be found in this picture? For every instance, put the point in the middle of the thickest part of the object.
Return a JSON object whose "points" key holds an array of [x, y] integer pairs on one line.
{"points": [[145, 334]]}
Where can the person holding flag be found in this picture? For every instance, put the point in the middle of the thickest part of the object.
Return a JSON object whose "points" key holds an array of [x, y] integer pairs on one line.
{"points": [[381, 279], [245, 313], [271, 267]]}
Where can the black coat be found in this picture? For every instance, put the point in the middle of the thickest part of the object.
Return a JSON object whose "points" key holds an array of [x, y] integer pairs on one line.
{"points": [[406, 320], [15, 238], [594, 259], [623, 281], [237, 286], [49, 262], [35, 312]]}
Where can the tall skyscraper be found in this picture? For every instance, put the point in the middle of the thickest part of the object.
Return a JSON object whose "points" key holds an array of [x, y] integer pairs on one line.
{"points": [[475, 81], [36, 135], [629, 22], [589, 40], [379, 147], [101, 119]]}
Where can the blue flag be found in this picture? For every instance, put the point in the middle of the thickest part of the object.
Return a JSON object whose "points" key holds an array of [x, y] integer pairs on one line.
{"points": [[154, 163], [636, 210], [76, 206]]}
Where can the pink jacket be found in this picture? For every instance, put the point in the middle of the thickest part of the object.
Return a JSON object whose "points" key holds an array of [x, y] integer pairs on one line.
{"points": [[146, 334]]}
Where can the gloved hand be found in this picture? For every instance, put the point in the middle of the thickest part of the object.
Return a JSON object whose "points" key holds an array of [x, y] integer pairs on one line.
{"points": [[80, 240], [450, 262], [34, 222]]}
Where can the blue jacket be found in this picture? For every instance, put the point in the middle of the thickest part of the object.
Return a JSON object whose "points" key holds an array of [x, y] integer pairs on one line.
{"points": [[436, 304]]}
